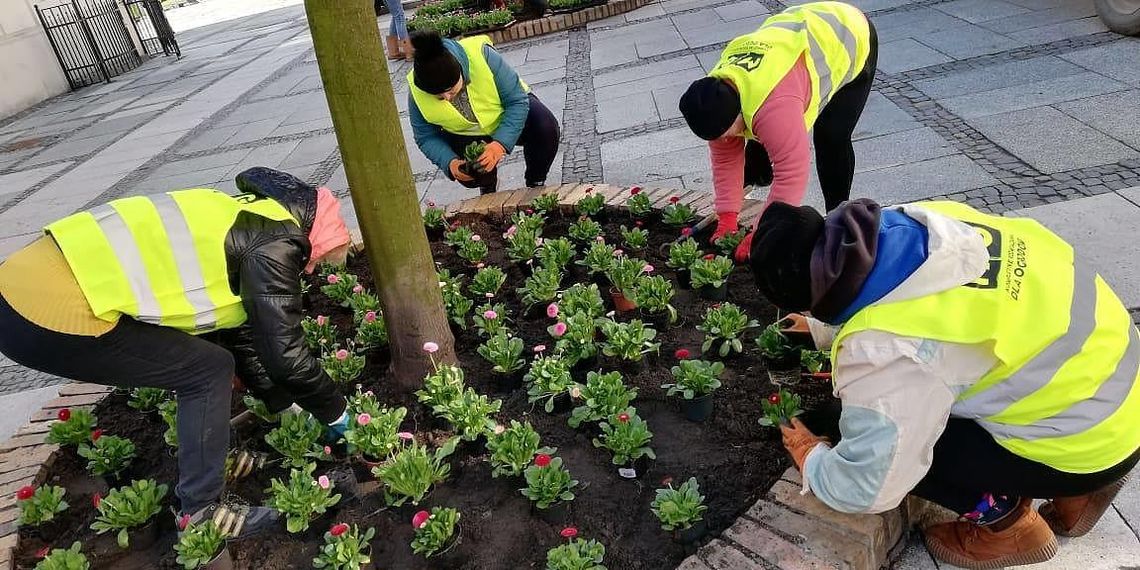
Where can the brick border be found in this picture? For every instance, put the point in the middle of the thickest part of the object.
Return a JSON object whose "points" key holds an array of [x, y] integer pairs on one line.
{"points": [[561, 22]]}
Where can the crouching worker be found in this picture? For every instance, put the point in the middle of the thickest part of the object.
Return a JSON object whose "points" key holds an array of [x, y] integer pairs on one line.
{"points": [[463, 92], [980, 364], [121, 295]]}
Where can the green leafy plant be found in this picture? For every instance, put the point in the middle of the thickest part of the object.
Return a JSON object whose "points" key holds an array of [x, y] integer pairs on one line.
{"points": [[603, 396], [584, 230], [694, 378], [504, 351], [198, 544], [319, 331], [728, 243], [61, 559], [302, 498], [576, 336], [513, 448], [635, 238], [779, 408], [433, 534], [680, 508], [343, 365], [546, 203], [676, 213], [72, 427], [711, 271], [434, 217], [814, 360], [628, 341], [548, 378], [457, 235], [441, 386], [470, 414], [548, 482], [474, 250], [577, 554], [725, 324], [457, 304], [556, 253], [624, 272], [259, 409], [297, 439], [627, 436], [363, 402], [38, 506], [339, 286], [372, 331], [168, 411], [682, 254], [362, 301], [107, 454], [638, 203], [491, 319], [492, 18], [374, 434], [128, 507], [591, 204], [147, 399], [774, 345], [345, 548], [410, 474], [598, 257], [654, 294], [471, 154], [442, 7], [528, 221], [488, 280], [582, 298], [541, 286], [522, 245]]}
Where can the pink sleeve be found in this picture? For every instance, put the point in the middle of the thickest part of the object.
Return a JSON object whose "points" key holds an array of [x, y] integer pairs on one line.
{"points": [[727, 157], [779, 126]]}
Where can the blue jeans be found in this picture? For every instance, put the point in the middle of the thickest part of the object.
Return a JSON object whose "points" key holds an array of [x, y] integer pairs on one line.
{"points": [[399, 26]]}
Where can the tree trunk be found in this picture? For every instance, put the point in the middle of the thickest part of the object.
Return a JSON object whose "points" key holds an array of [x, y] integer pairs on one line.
{"points": [[367, 123]]}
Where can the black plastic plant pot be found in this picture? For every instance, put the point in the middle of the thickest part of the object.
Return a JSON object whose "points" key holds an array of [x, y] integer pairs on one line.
{"points": [[449, 556], [684, 279], [115, 480], [698, 409], [510, 381], [585, 365], [562, 403], [631, 367], [711, 293], [659, 321], [345, 481], [557, 514], [223, 561], [600, 280], [691, 534], [635, 469], [143, 537]]}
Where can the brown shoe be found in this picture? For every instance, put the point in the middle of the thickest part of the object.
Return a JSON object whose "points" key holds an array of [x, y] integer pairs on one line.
{"points": [[1022, 537], [1076, 516], [393, 45], [409, 51]]}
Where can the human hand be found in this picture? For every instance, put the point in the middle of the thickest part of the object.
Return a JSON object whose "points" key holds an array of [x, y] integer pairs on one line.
{"points": [[798, 324], [492, 154], [744, 250], [456, 172], [799, 441], [726, 223]]}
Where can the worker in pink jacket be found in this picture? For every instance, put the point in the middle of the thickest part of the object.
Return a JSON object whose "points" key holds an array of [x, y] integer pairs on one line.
{"points": [[808, 68]]}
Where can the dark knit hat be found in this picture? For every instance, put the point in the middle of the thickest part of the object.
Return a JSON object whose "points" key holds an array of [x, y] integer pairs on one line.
{"points": [[710, 106], [297, 196], [434, 68], [782, 252], [843, 258]]}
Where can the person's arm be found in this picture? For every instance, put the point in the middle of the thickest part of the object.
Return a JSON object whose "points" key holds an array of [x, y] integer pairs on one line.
{"points": [[430, 139], [248, 367], [779, 127], [895, 407], [516, 103], [727, 158]]}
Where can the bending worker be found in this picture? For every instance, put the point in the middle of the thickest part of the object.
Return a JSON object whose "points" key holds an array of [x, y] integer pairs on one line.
{"points": [[979, 363], [120, 296], [808, 68], [463, 92]]}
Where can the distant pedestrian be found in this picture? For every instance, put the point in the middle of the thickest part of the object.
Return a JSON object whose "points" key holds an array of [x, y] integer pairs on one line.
{"points": [[808, 68], [399, 47]]}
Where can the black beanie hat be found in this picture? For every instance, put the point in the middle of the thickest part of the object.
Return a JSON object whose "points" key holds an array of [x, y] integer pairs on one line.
{"points": [[435, 69], [710, 106], [781, 254]]}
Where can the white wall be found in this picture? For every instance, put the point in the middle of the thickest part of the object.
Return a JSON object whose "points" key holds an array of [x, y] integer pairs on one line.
{"points": [[29, 72]]}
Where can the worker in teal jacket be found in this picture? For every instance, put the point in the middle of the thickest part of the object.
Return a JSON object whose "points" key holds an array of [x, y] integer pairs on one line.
{"points": [[463, 92]]}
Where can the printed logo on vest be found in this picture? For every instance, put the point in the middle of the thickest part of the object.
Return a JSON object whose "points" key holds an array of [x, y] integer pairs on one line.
{"points": [[992, 238], [748, 61]]}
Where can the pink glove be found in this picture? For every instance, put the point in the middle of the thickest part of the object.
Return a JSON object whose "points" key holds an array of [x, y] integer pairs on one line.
{"points": [[726, 223]]}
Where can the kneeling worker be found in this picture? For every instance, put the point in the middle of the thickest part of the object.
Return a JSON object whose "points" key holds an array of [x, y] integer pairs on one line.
{"points": [[980, 364]]}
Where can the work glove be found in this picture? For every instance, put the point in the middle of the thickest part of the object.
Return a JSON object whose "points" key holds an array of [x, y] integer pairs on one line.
{"points": [[799, 441], [337, 428], [456, 173], [726, 223], [492, 154], [796, 323], [744, 250]]}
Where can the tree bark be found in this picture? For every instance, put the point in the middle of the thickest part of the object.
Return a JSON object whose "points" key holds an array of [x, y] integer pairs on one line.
{"points": [[367, 123]]}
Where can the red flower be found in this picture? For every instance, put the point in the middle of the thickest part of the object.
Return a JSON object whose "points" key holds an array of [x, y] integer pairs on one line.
{"points": [[709, 257], [431, 203], [529, 211], [590, 189], [420, 519], [25, 492], [183, 522], [637, 223], [681, 354], [338, 529], [96, 500], [667, 480], [43, 552], [569, 532], [96, 434], [674, 200], [635, 190], [542, 460], [774, 399], [64, 415], [623, 418]]}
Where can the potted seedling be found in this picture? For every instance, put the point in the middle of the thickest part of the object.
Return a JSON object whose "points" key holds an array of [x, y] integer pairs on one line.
{"points": [[550, 488], [302, 498], [636, 238], [73, 427], [775, 347], [505, 353], [528, 221], [435, 221], [628, 342], [627, 437], [375, 436], [623, 275], [654, 295], [546, 204], [39, 506], [604, 395], [107, 456], [435, 531], [728, 243], [488, 280], [410, 474], [470, 414], [168, 411], [541, 287], [577, 335], [203, 546], [65, 559], [724, 325], [681, 511], [521, 247], [372, 332], [709, 276], [339, 286], [259, 409], [129, 511], [345, 548], [343, 365], [471, 154], [677, 214], [638, 203], [779, 408], [585, 230], [581, 298], [597, 259], [147, 399], [457, 305], [549, 379], [491, 320], [695, 381], [576, 554], [682, 255], [319, 331], [297, 439], [512, 449], [556, 253], [362, 301], [441, 386], [816, 363], [457, 234], [591, 205]]}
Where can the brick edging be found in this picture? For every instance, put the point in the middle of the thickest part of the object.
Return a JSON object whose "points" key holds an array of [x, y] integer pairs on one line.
{"points": [[560, 22]]}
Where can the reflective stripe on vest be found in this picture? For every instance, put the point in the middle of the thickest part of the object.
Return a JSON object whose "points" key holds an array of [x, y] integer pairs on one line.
{"points": [[833, 36], [1065, 389], [481, 92], [160, 259]]}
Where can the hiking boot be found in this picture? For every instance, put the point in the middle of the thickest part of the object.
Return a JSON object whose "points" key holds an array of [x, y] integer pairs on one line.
{"points": [[1076, 516], [235, 521], [1021, 537]]}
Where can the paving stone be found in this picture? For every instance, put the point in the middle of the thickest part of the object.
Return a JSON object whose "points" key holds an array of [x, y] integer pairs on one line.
{"points": [[916, 23], [900, 148], [773, 548], [969, 40], [815, 539], [693, 563], [1113, 114], [914, 555], [680, 78], [1034, 94], [881, 117], [1050, 140], [750, 9], [997, 76], [1060, 31], [72, 148], [976, 11], [1116, 60], [720, 555], [20, 181], [916, 181], [717, 32], [641, 73], [907, 54], [650, 144], [1044, 14], [1127, 504]]}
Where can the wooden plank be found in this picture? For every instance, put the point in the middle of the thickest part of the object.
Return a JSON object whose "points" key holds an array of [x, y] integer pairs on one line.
{"points": [[583, 190], [750, 212], [615, 195], [514, 197], [702, 203]]}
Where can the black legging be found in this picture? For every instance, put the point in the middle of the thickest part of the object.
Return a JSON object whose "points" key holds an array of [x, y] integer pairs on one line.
{"points": [[539, 140], [834, 155]]}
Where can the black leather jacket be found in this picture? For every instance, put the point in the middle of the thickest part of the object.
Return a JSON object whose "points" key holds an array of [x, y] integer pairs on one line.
{"points": [[266, 259]]}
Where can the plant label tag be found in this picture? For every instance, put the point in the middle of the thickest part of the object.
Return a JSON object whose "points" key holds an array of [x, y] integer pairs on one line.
{"points": [[627, 472]]}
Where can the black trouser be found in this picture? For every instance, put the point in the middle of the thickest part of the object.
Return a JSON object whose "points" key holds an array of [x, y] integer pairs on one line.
{"points": [[135, 354], [539, 140], [969, 463], [834, 155]]}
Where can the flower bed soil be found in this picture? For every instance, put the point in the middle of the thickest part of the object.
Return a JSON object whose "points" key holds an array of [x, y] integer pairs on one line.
{"points": [[733, 457]]}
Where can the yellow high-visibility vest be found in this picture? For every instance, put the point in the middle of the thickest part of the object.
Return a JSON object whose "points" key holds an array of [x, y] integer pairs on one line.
{"points": [[481, 91], [834, 38], [161, 258], [1064, 391]]}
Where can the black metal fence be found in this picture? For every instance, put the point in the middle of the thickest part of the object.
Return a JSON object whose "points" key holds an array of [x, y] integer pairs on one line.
{"points": [[152, 28], [90, 40]]}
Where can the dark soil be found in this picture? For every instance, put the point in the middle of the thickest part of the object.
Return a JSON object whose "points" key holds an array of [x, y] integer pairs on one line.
{"points": [[733, 457]]}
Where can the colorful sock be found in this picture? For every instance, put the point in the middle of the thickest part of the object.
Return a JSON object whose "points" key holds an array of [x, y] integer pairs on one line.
{"points": [[991, 509]]}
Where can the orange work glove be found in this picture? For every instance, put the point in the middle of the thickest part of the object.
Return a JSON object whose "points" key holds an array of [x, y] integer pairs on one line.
{"points": [[799, 440], [796, 323], [726, 223], [456, 173], [744, 250], [492, 154]]}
